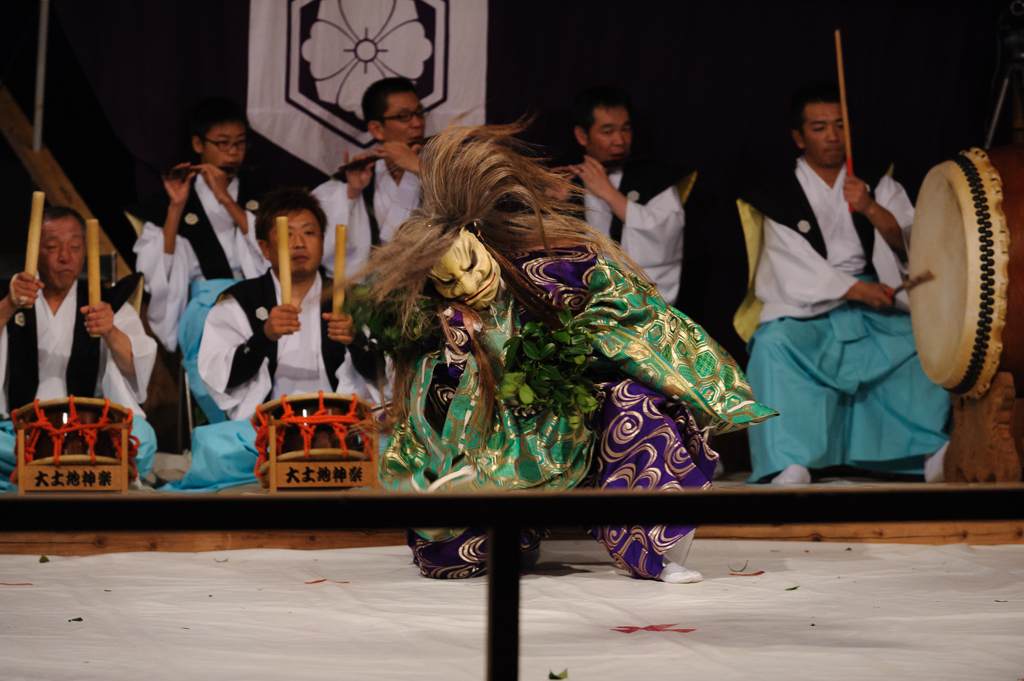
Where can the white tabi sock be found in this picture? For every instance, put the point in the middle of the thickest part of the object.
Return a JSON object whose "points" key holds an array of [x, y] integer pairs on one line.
{"points": [[933, 465], [793, 474], [674, 572], [677, 574]]}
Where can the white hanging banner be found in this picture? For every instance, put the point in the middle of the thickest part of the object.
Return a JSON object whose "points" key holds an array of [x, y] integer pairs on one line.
{"points": [[311, 60]]}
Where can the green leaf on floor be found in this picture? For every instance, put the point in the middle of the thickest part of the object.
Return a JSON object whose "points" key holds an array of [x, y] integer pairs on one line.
{"points": [[1002, 601], [77, 619], [44, 559], [184, 627], [793, 588], [563, 675], [220, 561], [107, 590], [732, 569]]}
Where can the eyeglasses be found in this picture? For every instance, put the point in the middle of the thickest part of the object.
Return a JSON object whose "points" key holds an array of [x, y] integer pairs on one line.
{"points": [[406, 116], [225, 145]]}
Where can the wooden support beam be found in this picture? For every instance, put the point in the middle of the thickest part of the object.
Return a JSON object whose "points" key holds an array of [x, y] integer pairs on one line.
{"points": [[978, 533], [92, 543], [45, 172]]}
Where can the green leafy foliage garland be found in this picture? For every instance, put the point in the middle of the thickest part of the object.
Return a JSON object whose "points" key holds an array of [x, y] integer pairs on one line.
{"points": [[544, 368]]}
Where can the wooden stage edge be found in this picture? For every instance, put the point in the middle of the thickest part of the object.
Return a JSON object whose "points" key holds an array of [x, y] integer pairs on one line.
{"points": [[981, 533]]}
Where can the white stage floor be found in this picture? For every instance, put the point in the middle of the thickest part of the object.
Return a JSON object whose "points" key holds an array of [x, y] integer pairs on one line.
{"points": [[863, 611]]}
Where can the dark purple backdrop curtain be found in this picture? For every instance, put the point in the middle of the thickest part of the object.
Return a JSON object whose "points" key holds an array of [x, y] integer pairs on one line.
{"points": [[710, 83]]}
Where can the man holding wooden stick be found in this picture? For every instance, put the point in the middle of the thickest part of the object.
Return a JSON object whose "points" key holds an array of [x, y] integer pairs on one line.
{"points": [[55, 343], [257, 345], [834, 352]]}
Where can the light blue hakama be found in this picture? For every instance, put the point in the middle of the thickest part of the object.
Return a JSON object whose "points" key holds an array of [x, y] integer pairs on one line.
{"points": [[203, 295], [9, 461], [849, 389], [223, 455]]}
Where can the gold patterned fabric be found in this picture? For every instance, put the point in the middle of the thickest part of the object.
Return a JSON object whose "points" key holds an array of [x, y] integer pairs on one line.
{"points": [[667, 351]]}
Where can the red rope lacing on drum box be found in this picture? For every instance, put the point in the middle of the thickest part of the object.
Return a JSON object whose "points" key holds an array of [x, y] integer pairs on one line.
{"points": [[90, 432], [307, 426]]}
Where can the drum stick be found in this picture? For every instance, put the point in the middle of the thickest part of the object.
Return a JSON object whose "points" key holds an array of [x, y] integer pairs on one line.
{"points": [[340, 240], [914, 281], [842, 103], [284, 260], [92, 251], [35, 231]]}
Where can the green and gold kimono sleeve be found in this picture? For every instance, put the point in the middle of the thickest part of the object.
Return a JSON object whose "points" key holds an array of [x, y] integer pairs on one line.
{"points": [[639, 334]]}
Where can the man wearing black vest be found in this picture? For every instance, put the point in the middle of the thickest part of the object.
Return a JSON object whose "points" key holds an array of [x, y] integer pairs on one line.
{"points": [[46, 351], [636, 202], [257, 347], [377, 198], [201, 229], [834, 352]]}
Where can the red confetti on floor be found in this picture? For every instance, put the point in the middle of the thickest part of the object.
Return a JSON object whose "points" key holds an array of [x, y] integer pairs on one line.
{"points": [[319, 581], [747, 574], [653, 627]]}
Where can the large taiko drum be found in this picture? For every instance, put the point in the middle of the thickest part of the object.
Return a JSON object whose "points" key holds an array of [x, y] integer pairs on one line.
{"points": [[58, 437], [310, 429], [969, 232]]}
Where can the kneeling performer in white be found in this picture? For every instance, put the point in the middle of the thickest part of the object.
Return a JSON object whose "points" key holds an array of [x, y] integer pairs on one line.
{"points": [[258, 346], [56, 344]]}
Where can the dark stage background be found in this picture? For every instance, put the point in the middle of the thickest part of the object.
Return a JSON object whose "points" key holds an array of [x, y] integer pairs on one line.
{"points": [[710, 83]]}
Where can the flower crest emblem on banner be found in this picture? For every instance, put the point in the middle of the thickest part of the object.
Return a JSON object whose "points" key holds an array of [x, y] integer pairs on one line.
{"points": [[338, 48]]}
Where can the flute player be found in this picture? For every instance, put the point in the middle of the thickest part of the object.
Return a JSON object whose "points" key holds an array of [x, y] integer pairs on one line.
{"points": [[202, 227]]}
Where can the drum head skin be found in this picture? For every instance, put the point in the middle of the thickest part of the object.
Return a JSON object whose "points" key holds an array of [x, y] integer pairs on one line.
{"points": [[960, 236]]}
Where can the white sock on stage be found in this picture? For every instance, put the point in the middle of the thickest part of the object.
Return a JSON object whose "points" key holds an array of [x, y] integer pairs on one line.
{"points": [[677, 574], [933, 465], [792, 474], [674, 572]]}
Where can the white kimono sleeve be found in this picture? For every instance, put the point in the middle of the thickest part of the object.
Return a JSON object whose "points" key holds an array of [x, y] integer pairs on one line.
{"points": [[226, 328], [652, 235], [795, 280], [890, 195], [891, 270], [333, 196], [167, 278], [250, 257], [128, 391]]}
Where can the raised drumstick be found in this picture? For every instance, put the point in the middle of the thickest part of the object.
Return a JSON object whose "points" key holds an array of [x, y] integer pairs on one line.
{"points": [[842, 103], [340, 238], [35, 230], [284, 260], [92, 251]]}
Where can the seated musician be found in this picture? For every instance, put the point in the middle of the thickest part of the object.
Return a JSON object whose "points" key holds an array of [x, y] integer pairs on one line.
{"points": [[202, 227], [256, 347], [389, 187], [835, 352], [633, 201], [47, 352]]}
